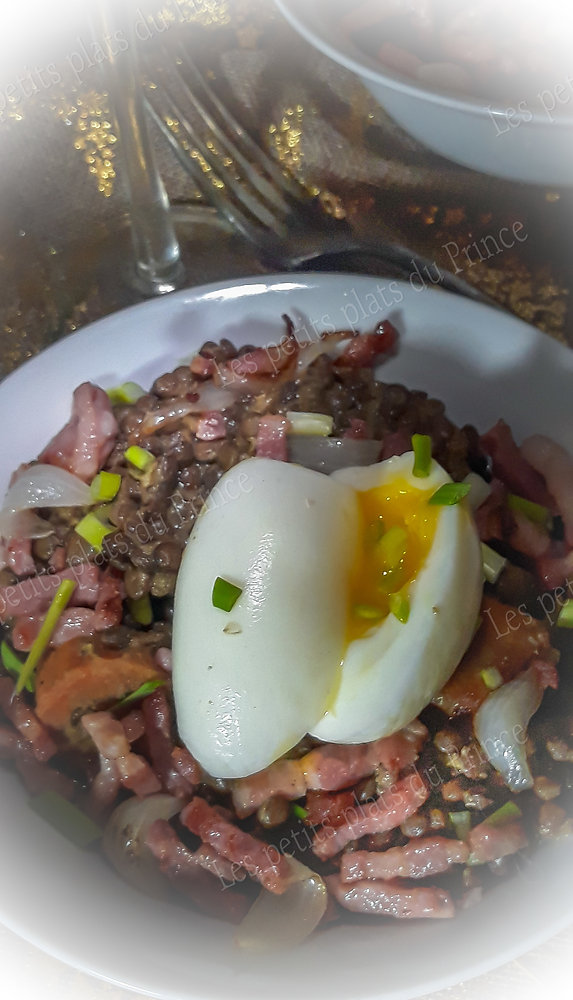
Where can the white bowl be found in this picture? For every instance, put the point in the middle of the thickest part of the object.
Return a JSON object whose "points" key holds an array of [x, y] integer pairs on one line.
{"points": [[528, 145], [484, 364]]}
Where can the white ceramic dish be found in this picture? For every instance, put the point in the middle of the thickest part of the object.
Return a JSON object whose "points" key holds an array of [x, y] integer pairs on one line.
{"points": [[484, 364], [525, 145]]}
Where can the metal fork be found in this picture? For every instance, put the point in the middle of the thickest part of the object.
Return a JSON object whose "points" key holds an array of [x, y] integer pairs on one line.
{"points": [[273, 211]]}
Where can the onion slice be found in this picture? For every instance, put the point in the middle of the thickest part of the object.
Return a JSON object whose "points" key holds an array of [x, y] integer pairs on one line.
{"points": [[282, 921], [46, 486], [500, 725], [327, 454], [124, 841], [23, 524]]}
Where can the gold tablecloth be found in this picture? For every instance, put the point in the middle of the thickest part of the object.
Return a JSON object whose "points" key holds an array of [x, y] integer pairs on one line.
{"points": [[64, 241]]}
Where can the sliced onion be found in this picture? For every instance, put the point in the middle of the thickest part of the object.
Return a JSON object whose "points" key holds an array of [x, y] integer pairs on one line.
{"points": [[480, 490], [23, 524], [124, 841], [500, 725], [333, 345], [46, 486], [209, 397], [329, 454], [275, 922]]}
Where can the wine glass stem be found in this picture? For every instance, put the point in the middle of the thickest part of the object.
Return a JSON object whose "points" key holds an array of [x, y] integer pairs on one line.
{"points": [[158, 267]]}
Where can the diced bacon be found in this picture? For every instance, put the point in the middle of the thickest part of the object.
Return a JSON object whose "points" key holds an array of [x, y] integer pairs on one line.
{"points": [[491, 515], [186, 765], [164, 659], [264, 360], [237, 846], [76, 623], [191, 872], [511, 466], [272, 438], [328, 768], [386, 899], [546, 672], [555, 464], [203, 367], [157, 715], [329, 808], [418, 859], [87, 440], [57, 560], [133, 725], [488, 843], [26, 722], [34, 595], [358, 430], [395, 443], [395, 806], [364, 349], [506, 640], [113, 747], [212, 426], [19, 556]]}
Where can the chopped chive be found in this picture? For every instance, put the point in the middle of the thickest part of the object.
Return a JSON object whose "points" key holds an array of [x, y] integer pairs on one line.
{"points": [[93, 531], [41, 642], [141, 610], [368, 611], [129, 392], [314, 424], [493, 563], [142, 691], [299, 811], [13, 664], [400, 607], [422, 447], [449, 494], [505, 814], [105, 487], [66, 818], [139, 457], [225, 595], [461, 822], [565, 617], [392, 547], [532, 511], [491, 678]]}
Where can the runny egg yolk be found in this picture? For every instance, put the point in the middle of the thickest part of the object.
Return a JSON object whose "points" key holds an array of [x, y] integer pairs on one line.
{"points": [[398, 528]]}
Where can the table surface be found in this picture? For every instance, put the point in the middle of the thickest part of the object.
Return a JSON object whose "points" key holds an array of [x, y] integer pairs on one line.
{"points": [[64, 242]]}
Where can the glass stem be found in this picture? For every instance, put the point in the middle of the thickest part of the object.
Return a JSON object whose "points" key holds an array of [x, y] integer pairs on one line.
{"points": [[157, 265]]}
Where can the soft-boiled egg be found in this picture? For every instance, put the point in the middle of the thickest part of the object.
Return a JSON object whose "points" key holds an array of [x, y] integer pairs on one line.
{"points": [[355, 600]]}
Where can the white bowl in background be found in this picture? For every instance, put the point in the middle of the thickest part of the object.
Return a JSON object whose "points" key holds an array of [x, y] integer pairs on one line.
{"points": [[484, 364], [534, 146]]}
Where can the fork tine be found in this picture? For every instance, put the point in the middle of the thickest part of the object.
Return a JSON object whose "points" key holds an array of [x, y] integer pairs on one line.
{"points": [[250, 150], [220, 195]]}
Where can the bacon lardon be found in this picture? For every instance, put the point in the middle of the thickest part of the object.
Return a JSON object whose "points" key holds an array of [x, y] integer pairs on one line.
{"points": [[387, 899], [419, 858], [87, 440]]}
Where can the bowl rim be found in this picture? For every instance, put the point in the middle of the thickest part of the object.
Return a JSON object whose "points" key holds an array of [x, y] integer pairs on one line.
{"points": [[300, 17]]}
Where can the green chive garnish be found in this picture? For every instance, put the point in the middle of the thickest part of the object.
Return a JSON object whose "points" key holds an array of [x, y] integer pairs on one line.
{"points": [[105, 487], [532, 511], [400, 607], [41, 642], [299, 811], [66, 818], [491, 678], [139, 457], [493, 563], [225, 595], [121, 395], [505, 814], [93, 531], [422, 448], [141, 610], [13, 664], [368, 611], [565, 618], [449, 494], [461, 822], [392, 547], [142, 692]]}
